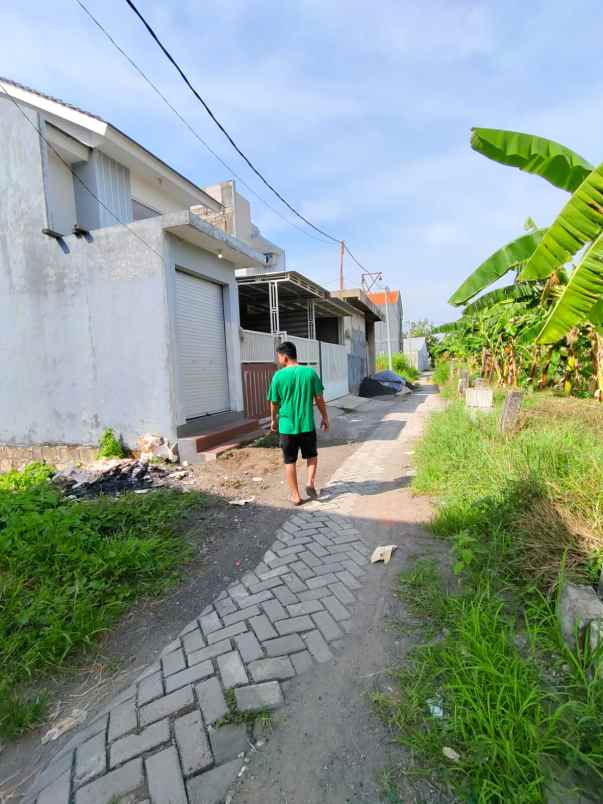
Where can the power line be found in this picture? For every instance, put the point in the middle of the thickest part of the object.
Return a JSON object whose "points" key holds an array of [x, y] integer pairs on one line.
{"points": [[75, 176], [193, 131], [221, 127]]}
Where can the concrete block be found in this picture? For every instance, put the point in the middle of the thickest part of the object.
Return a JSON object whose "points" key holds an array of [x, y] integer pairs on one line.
{"points": [[189, 676], [301, 661], [57, 792], [348, 579], [328, 627], [259, 696], [302, 570], [122, 719], [277, 669], [210, 652], [210, 622], [262, 627], [132, 745], [193, 745], [283, 645], [226, 633], [232, 670], [479, 398], [315, 594], [274, 610], [211, 700], [294, 625], [242, 614], [305, 607], [168, 705], [317, 646], [225, 606], [113, 785], [193, 641], [228, 742], [335, 608], [341, 592], [322, 580], [293, 583], [90, 759], [150, 687], [285, 595], [212, 787], [166, 784], [248, 646]]}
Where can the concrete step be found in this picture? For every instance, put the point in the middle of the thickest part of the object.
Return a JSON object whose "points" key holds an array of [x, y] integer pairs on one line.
{"points": [[208, 445]]}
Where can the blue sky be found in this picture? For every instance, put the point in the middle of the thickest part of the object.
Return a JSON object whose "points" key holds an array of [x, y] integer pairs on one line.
{"points": [[359, 112]]}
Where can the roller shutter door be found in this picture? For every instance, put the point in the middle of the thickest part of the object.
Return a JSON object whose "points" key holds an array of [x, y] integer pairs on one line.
{"points": [[201, 346]]}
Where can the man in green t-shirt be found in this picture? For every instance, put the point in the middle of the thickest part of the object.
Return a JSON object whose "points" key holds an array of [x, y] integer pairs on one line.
{"points": [[292, 394]]}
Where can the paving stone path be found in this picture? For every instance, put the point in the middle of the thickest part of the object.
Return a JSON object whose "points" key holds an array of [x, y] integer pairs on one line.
{"points": [[164, 739]]}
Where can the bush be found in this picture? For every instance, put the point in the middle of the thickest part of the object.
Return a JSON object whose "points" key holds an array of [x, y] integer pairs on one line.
{"points": [[109, 446], [68, 569], [400, 365]]}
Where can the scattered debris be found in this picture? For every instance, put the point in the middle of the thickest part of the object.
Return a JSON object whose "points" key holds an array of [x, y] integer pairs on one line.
{"points": [[451, 754], [75, 719], [109, 476], [178, 475], [580, 614], [152, 445], [435, 707], [241, 502], [257, 479], [383, 553]]}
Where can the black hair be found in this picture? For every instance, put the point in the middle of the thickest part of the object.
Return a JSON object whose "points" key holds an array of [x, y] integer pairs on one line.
{"points": [[288, 349]]}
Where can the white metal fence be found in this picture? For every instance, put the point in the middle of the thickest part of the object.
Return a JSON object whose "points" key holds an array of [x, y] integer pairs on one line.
{"points": [[307, 351], [334, 375], [257, 347]]}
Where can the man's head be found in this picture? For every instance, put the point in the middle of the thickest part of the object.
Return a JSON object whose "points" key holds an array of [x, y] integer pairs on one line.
{"points": [[286, 353]]}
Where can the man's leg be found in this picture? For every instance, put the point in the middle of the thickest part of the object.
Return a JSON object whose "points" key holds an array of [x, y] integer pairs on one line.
{"points": [[312, 467], [291, 473]]}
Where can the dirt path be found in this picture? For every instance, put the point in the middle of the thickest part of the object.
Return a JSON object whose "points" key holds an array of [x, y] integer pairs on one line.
{"points": [[327, 747], [230, 542]]}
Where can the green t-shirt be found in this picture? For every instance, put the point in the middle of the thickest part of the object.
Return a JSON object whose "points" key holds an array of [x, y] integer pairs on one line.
{"points": [[294, 388]]}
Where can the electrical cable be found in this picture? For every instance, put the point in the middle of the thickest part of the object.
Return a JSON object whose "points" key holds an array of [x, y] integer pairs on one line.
{"points": [[193, 131]]}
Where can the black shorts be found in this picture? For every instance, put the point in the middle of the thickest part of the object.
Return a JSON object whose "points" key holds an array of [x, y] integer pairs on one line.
{"points": [[291, 444]]}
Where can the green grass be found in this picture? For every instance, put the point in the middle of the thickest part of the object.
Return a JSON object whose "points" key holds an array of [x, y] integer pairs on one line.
{"points": [[519, 510], [400, 365], [261, 717], [68, 570], [110, 446]]}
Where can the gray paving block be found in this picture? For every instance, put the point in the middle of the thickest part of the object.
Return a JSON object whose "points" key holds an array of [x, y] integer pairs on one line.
{"points": [[301, 661], [330, 567], [283, 645], [173, 662], [57, 792], [255, 600], [277, 669], [274, 610], [189, 676], [328, 627], [335, 608], [166, 784], [211, 622], [291, 550], [344, 548], [132, 745], [349, 580], [113, 785], [321, 580], [278, 561], [249, 579], [249, 647], [228, 742], [352, 567], [122, 719], [90, 759], [294, 625], [317, 646], [193, 641], [262, 627], [267, 574], [305, 607], [168, 705], [174, 645], [270, 583], [211, 700], [346, 538], [315, 594], [237, 591], [232, 670], [192, 626], [323, 540], [259, 696], [242, 614], [212, 787], [310, 559], [318, 550], [210, 652], [302, 570], [225, 606], [293, 583], [341, 592], [226, 633], [193, 745], [150, 688], [285, 595]]}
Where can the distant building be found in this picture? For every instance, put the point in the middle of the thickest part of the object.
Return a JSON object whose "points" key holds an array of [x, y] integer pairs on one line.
{"points": [[392, 310]]}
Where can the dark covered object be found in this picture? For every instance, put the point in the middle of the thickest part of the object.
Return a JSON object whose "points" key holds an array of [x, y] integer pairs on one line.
{"points": [[391, 379], [371, 387]]}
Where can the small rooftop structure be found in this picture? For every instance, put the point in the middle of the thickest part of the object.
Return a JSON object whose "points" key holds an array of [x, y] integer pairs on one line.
{"points": [[361, 301]]}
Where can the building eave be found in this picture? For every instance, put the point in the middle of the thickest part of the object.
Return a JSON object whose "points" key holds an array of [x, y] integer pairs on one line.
{"points": [[358, 299], [191, 228]]}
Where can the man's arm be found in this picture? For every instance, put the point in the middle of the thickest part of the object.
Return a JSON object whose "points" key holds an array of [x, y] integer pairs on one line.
{"points": [[273, 417], [322, 407]]}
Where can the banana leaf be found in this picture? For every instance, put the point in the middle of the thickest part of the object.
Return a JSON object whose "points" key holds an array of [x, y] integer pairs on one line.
{"points": [[579, 222], [557, 164], [451, 326], [514, 254], [519, 292], [596, 314], [580, 296]]}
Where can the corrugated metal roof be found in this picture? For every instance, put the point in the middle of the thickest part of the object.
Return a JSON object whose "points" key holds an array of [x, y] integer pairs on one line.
{"points": [[50, 98], [379, 298]]}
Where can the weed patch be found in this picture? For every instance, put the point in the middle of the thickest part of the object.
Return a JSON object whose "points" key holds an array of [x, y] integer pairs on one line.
{"points": [[400, 365], [68, 570]]}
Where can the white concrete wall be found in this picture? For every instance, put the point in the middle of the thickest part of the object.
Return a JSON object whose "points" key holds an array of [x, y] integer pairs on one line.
{"points": [[208, 266], [83, 330], [152, 194]]}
